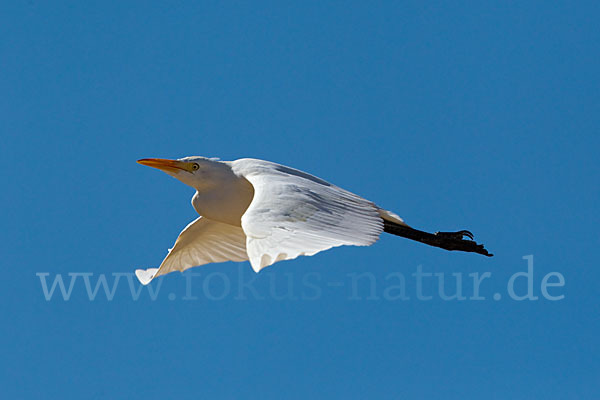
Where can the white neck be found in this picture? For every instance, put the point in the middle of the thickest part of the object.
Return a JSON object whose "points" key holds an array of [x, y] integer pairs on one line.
{"points": [[225, 202]]}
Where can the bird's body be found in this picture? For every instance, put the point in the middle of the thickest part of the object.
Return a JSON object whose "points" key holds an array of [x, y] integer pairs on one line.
{"points": [[265, 212]]}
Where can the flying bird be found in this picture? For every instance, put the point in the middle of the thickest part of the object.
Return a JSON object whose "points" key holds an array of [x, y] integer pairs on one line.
{"points": [[266, 212]]}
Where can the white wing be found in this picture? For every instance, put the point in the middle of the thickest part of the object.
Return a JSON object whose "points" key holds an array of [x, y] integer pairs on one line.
{"points": [[294, 213], [203, 241]]}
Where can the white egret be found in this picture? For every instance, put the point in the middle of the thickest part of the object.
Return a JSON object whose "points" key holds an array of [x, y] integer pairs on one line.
{"points": [[265, 212]]}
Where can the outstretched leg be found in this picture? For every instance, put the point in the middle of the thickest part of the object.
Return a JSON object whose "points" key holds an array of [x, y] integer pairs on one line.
{"points": [[444, 240]]}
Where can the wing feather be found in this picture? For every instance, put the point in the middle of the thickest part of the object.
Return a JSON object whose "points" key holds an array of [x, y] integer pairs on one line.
{"points": [[203, 241], [294, 213]]}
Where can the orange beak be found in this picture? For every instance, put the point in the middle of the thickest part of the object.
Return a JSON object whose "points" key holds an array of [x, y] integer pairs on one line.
{"points": [[166, 165]]}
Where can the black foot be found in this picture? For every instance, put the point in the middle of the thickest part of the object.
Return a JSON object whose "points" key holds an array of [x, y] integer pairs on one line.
{"points": [[457, 241]]}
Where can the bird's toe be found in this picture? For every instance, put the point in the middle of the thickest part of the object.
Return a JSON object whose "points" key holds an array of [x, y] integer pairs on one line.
{"points": [[466, 233], [456, 235]]}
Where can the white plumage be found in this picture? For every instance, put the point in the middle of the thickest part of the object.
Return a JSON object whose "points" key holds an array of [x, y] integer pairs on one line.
{"points": [[263, 212], [293, 214]]}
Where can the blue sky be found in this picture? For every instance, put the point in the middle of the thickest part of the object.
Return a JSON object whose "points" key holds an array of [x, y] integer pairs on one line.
{"points": [[456, 115]]}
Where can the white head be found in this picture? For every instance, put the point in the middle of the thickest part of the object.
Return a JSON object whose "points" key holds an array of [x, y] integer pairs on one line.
{"points": [[198, 172]]}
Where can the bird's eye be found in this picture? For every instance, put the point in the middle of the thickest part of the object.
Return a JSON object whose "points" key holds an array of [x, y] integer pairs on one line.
{"points": [[195, 166]]}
